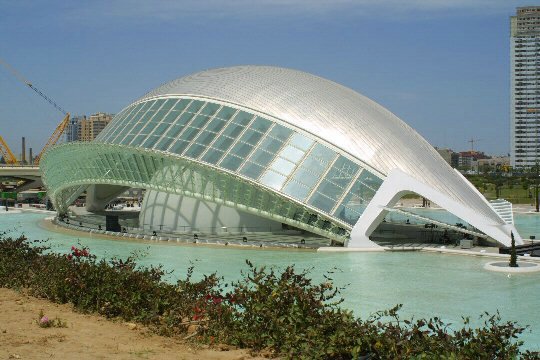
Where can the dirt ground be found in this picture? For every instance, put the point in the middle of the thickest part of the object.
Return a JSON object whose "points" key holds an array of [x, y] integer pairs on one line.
{"points": [[87, 336]]}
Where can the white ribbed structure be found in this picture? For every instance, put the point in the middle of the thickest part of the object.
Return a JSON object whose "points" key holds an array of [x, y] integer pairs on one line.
{"points": [[336, 114]]}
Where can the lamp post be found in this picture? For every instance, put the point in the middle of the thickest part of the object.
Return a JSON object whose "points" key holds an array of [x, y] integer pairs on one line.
{"points": [[536, 165], [536, 185]]}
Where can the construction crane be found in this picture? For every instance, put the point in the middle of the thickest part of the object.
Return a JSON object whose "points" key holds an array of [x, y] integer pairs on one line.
{"points": [[54, 138], [6, 153], [472, 141], [63, 124]]}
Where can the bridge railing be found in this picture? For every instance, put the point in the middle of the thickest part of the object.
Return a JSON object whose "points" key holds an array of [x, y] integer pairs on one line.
{"points": [[18, 166]]}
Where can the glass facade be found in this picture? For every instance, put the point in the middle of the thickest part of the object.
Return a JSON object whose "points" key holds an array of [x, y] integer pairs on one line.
{"points": [[250, 146]]}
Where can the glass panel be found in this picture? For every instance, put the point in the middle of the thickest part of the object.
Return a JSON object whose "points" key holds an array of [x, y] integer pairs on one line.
{"points": [[199, 121], [271, 145], [301, 141], [252, 170], [173, 114], [322, 202], [283, 166], [306, 177], [179, 146], [161, 129], [181, 105], [350, 214], [195, 106], [226, 113], [342, 172], [273, 179], [231, 162], [251, 137], [261, 157], [243, 118], [156, 119], [280, 132], [322, 153], [189, 134], [330, 189], [261, 125], [134, 130], [164, 144], [292, 153], [151, 141], [212, 156], [370, 180], [296, 190], [223, 143], [146, 117], [366, 193], [195, 150], [155, 107], [216, 125], [205, 138], [233, 130], [241, 149], [130, 121], [210, 109], [169, 104], [354, 203], [138, 140], [128, 139], [110, 130], [314, 166], [179, 125]]}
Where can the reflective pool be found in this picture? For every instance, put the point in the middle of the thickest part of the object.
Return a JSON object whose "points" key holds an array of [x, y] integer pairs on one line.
{"points": [[426, 284]]}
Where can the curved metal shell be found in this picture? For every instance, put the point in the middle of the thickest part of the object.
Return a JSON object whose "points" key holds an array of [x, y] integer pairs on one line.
{"points": [[336, 114]]}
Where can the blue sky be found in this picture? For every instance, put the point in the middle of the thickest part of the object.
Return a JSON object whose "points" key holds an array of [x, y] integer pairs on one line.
{"points": [[440, 65]]}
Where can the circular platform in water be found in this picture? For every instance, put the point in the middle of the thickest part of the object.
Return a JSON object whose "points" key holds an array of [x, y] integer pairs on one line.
{"points": [[502, 266]]}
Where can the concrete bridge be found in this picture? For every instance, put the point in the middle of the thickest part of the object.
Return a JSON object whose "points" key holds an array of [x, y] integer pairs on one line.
{"points": [[30, 175]]}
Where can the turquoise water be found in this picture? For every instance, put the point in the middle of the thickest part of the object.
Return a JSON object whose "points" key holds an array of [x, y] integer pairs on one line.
{"points": [[426, 284]]}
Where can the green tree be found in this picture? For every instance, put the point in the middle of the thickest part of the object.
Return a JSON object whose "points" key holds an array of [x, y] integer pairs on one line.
{"points": [[513, 255]]}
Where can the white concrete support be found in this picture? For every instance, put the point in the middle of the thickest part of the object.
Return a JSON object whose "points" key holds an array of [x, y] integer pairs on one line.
{"points": [[99, 195], [398, 184]]}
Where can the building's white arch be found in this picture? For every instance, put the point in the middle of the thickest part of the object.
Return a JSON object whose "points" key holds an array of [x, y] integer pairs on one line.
{"points": [[398, 184]]}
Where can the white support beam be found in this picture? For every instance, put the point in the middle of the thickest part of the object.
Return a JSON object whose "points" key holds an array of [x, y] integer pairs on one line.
{"points": [[398, 184]]}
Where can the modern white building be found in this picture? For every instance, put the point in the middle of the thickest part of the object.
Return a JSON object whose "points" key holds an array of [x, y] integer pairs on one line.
{"points": [[525, 86], [259, 148]]}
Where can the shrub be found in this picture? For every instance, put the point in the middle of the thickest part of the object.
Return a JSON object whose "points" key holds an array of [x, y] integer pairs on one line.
{"points": [[43, 321], [282, 312]]}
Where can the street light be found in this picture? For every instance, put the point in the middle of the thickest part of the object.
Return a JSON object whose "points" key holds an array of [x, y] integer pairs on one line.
{"points": [[536, 163]]}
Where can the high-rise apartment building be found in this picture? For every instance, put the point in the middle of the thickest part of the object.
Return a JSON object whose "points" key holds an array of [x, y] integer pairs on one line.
{"points": [[91, 127], [525, 86], [72, 129]]}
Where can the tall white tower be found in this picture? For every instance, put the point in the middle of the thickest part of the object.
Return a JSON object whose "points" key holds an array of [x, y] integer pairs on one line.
{"points": [[525, 86]]}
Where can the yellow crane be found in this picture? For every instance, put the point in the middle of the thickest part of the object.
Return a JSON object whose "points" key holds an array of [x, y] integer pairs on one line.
{"points": [[6, 153], [54, 138], [59, 129]]}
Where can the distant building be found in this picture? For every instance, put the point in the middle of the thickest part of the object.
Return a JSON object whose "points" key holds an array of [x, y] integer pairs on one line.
{"points": [[446, 154], [494, 163], [467, 159], [454, 162], [91, 127], [72, 129], [525, 88]]}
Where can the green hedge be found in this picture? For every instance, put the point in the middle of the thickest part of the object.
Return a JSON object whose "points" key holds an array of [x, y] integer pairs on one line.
{"points": [[281, 312]]}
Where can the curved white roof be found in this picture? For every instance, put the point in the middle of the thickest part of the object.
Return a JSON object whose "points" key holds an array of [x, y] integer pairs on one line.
{"points": [[336, 114]]}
